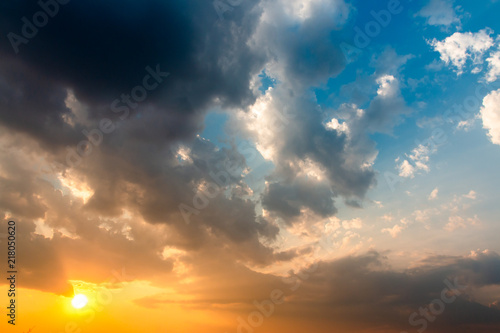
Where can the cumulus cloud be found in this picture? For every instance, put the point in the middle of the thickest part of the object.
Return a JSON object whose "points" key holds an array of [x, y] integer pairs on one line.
{"points": [[380, 92], [416, 161], [387, 289], [325, 147], [309, 157], [490, 115], [333, 155], [460, 47]]}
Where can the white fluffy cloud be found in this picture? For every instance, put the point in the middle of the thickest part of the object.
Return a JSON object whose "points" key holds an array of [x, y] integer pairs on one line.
{"points": [[459, 47], [490, 114], [416, 161], [493, 66]]}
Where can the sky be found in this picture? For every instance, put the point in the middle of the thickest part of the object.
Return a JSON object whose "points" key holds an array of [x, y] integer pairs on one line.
{"points": [[251, 165]]}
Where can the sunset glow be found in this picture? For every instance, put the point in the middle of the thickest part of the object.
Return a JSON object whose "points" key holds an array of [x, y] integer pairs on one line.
{"points": [[79, 301]]}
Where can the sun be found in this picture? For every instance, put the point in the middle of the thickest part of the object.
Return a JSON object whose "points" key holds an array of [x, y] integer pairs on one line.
{"points": [[79, 301]]}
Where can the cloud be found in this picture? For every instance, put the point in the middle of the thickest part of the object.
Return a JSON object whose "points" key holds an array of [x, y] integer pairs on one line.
{"points": [[493, 66], [460, 47], [394, 231], [388, 291], [69, 55], [356, 223], [490, 115], [296, 37], [471, 195], [289, 129], [458, 222], [47, 104], [127, 191], [440, 12], [380, 92], [119, 208], [386, 109], [309, 157], [417, 160], [288, 199], [434, 194], [454, 213], [341, 291]]}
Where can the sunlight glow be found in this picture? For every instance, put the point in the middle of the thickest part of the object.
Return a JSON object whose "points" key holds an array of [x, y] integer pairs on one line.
{"points": [[79, 301]]}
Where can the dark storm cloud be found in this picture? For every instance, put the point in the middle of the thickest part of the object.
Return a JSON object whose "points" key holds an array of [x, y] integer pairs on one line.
{"points": [[34, 104], [101, 49], [18, 194]]}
